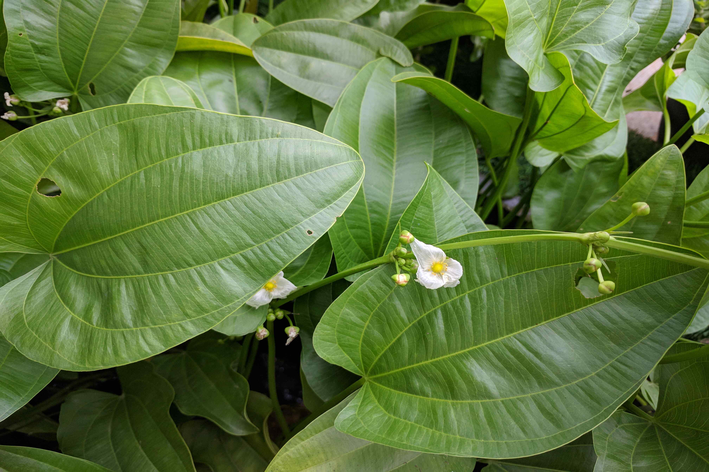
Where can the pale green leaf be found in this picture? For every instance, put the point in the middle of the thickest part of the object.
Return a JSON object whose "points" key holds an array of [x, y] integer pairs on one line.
{"points": [[320, 57], [194, 10], [440, 25], [692, 86], [495, 131], [345, 10], [322, 448], [244, 321], [396, 128], [493, 11], [514, 349], [312, 265], [660, 183], [504, 83], [168, 221], [161, 90], [203, 37], [244, 26], [391, 22], [698, 211], [127, 432], [24, 459], [92, 49], [538, 27]]}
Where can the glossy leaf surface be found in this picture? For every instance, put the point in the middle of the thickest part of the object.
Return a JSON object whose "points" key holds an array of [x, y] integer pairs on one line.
{"points": [[345, 10], [22, 459], [125, 433], [244, 321], [248, 28], [320, 57], [504, 83], [493, 11], [203, 37], [505, 348], [577, 456], [312, 265], [692, 86], [161, 90], [98, 51], [439, 25], [176, 240]]}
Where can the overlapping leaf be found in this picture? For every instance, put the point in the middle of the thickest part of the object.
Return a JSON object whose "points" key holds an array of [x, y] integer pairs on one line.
{"points": [[244, 26], [96, 51], [312, 265], [577, 456], [493, 11], [345, 10], [160, 90], [692, 87], [396, 128], [439, 25], [504, 83], [527, 360], [244, 321], [203, 37], [159, 232], [21, 459]]}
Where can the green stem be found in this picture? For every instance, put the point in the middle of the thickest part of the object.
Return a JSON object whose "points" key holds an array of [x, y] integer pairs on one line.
{"points": [[684, 148], [452, 52], [231, 7], [622, 223], [272, 390], [695, 224], [244, 354], [628, 405], [32, 116], [686, 126], [327, 405], [640, 400], [668, 126], [658, 252], [687, 356], [270, 6], [328, 280], [253, 350], [222, 11], [699, 198], [242, 4]]}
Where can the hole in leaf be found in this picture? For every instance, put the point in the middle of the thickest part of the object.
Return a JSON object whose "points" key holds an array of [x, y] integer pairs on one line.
{"points": [[20, 34], [310, 232], [255, 20], [48, 188], [588, 284], [92, 89]]}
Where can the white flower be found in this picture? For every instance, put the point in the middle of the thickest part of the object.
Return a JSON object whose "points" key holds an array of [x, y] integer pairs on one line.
{"points": [[9, 116], [435, 269], [11, 100], [277, 287], [63, 104], [292, 332]]}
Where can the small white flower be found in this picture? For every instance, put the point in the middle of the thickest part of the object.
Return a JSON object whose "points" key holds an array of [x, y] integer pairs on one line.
{"points": [[11, 100], [9, 116], [435, 269], [277, 287], [261, 333], [292, 332], [63, 104]]}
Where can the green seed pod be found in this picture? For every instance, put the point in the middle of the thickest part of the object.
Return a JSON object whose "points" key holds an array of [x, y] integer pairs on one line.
{"points": [[406, 238], [641, 209], [591, 265], [606, 288]]}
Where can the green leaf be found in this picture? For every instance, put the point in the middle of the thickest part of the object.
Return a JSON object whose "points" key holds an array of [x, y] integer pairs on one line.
{"points": [[321, 448], [259, 408], [515, 349], [92, 49], [345, 10], [692, 86], [194, 10], [160, 90], [564, 197], [244, 321], [312, 265], [220, 451], [206, 385], [495, 131], [3, 40], [562, 118], [577, 456], [539, 27], [437, 213], [660, 183], [440, 25], [127, 432], [698, 211], [675, 439], [397, 129], [6, 129], [22, 459], [504, 83], [391, 22], [159, 233], [244, 26], [288, 52], [203, 37], [493, 11]]}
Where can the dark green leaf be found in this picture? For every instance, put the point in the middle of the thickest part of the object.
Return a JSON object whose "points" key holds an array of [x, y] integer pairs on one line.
{"points": [[194, 10], [577, 456], [345, 10], [203, 37], [312, 265], [25, 459], [244, 321], [692, 87], [439, 25], [248, 28], [504, 83], [160, 90]]}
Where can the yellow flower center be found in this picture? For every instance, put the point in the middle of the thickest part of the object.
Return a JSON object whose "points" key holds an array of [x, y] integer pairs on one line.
{"points": [[438, 268], [269, 286]]}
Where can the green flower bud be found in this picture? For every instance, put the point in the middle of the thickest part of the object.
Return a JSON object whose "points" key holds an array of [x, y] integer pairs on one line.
{"points": [[591, 265], [261, 333], [400, 252], [401, 279], [606, 288], [601, 249], [292, 332], [641, 209], [406, 238], [271, 316], [280, 313], [412, 265]]}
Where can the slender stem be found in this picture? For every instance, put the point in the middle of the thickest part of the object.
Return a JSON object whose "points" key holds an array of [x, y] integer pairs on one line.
{"points": [[32, 116], [695, 224], [687, 356], [231, 7], [686, 126], [640, 400], [242, 4], [699, 198], [328, 280], [270, 6], [658, 252], [622, 223], [668, 126], [272, 390], [253, 350], [524, 238], [244, 354], [686, 145], [452, 52], [327, 405], [628, 405], [222, 10]]}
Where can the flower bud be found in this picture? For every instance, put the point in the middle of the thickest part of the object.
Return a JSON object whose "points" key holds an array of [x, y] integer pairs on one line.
{"points": [[601, 249], [400, 252], [280, 313], [412, 265], [261, 333], [641, 209], [601, 237], [271, 316], [56, 111], [401, 279], [406, 238], [9, 116], [606, 288], [292, 332], [11, 100], [591, 265]]}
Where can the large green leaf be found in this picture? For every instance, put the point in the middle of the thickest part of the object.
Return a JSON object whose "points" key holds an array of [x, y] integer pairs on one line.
{"points": [[244, 26], [312, 265], [206, 385], [692, 87], [396, 128], [94, 49], [495, 131], [194, 10], [537, 27], [322, 448], [127, 432], [345, 10], [220, 451], [504, 83], [439, 25], [698, 211], [168, 221], [320, 57], [244, 321], [675, 438], [564, 197], [161, 90], [24, 459], [512, 362], [493, 11], [577, 456], [660, 183], [203, 37]]}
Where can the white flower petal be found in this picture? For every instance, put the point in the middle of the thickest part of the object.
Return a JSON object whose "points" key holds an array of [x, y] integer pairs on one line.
{"points": [[283, 286], [426, 254], [454, 271], [428, 279], [261, 298]]}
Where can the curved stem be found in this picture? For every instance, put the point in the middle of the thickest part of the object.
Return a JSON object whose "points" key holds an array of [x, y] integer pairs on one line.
{"points": [[272, 390], [452, 52], [695, 224], [253, 350], [244, 354], [622, 223], [668, 126], [658, 252], [687, 356], [241, 6], [686, 126], [327, 405], [684, 148]]}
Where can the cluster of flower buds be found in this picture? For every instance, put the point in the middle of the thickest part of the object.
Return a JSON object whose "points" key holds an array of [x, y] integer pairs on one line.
{"points": [[432, 267], [275, 314], [404, 259]]}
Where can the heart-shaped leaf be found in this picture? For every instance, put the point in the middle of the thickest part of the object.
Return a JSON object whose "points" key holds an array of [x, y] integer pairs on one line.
{"points": [[345, 10], [97, 51], [169, 219], [290, 54], [440, 25], [127, 432], [161, 90], [203, 37], [15, 458], [513, 361]]}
